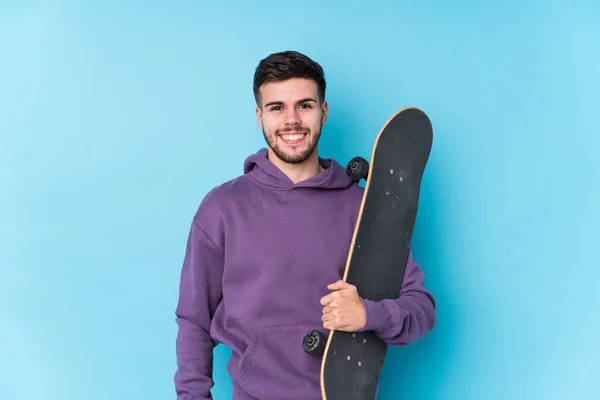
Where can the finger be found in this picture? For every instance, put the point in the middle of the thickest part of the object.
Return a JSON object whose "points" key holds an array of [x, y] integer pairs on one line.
{"points": [[327, 317], [335, 323], [331, 307], [329, 325], [339, 285], [329, 298], [333, 313]]}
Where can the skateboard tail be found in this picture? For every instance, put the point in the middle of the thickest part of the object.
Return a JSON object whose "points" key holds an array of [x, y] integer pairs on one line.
{"points": [[380, 246]]}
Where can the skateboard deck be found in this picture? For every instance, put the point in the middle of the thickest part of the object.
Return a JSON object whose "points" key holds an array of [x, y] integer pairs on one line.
{"points": [[352, 362]]}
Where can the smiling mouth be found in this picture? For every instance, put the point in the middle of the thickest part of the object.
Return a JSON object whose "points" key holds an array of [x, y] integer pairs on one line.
{"points": [[293, 138]]}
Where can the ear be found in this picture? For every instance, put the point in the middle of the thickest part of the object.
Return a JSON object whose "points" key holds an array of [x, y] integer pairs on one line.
{"points": [[259, 116], [324, 112]]}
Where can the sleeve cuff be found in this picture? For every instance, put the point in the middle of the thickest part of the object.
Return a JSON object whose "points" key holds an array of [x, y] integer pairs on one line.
{"points": [[382, 317]]}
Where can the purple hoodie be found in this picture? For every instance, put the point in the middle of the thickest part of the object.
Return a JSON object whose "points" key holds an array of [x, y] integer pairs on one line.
{"points": [[260, 254]]}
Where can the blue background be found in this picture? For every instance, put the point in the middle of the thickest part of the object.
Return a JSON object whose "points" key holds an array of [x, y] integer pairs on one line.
{"points": [[116, 119]]}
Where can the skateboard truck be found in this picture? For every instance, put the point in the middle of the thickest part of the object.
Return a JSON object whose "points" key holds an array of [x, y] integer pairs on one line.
{"points": [[314, 343], [357, 169]]}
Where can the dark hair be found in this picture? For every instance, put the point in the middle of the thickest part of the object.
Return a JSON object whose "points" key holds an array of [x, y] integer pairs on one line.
{"points": [[286, 65]]}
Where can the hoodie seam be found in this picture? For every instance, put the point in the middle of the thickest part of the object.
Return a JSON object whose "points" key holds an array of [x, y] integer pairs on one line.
{"points": [[267, 186], [208, 237], [288, 189]]}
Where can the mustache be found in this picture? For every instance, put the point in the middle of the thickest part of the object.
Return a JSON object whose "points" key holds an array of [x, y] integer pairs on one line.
{"points": [[294, 129]]}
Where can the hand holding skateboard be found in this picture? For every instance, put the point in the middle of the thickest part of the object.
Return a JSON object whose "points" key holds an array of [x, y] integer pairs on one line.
{"points": [[343, 310]]}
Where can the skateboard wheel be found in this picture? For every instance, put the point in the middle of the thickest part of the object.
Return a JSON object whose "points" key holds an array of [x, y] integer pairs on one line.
{"points": [[357, 169], [314, 343]]}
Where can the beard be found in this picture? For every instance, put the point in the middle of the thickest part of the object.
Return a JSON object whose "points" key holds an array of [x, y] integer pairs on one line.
{"points": [[295, 158]]}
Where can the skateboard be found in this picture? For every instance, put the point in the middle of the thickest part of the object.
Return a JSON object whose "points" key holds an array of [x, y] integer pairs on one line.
{"points": [[352, 361]]}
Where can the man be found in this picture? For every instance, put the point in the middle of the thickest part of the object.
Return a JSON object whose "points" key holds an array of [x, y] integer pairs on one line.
{"points": [[267, 250]]}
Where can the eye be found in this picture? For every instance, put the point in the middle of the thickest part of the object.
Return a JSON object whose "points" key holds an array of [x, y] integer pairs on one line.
{"points": [[276, 108], [306, 105]]}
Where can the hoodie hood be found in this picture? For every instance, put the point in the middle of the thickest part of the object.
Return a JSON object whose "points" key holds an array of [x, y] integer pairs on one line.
{"points": [[265, 173]]}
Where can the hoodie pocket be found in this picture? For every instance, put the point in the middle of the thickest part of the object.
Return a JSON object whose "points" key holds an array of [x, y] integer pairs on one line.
{"points": [[249, 353], [276, 367]]}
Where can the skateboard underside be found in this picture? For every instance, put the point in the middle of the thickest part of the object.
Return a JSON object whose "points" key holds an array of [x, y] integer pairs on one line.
{"points": [[352, 362]]}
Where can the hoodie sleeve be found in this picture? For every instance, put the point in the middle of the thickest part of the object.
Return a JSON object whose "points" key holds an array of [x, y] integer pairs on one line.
{"points": [[405, 319], [199, 293]]}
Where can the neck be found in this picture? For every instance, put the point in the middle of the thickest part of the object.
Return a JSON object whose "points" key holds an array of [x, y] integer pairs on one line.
{"points": [[298, 172]]}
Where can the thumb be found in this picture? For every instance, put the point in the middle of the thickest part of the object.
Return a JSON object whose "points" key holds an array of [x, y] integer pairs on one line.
{"points": [[339, 285]]}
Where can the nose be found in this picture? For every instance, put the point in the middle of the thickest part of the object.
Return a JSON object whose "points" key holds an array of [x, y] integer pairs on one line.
{"points": [[292, 117]]}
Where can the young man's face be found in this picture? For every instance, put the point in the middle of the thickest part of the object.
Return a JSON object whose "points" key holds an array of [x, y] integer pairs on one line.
{"points": [[291, 117]]}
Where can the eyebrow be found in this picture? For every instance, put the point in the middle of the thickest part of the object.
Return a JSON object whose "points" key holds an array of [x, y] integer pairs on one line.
{"points": [[272, 103]]}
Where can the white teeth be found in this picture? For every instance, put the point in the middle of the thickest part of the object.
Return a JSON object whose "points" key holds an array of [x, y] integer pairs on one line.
{"points": [[292, 137]]}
